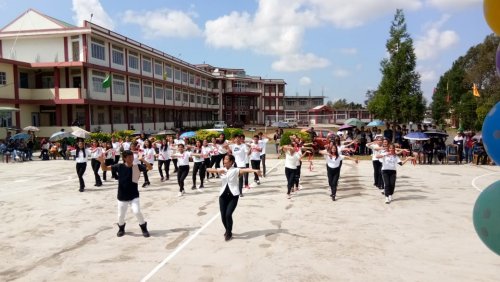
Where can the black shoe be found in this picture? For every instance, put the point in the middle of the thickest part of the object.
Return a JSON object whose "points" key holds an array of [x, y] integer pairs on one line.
{"points": [[81, 189], [144, 228], [228, 236], [99, 185], [333, 198], [193, 187], [144, 185], [121, 230], [175, 171]]}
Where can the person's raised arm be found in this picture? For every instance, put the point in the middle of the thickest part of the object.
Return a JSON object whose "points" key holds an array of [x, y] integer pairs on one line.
{"points": [[148, 165], [249, 170], [104, 167]]}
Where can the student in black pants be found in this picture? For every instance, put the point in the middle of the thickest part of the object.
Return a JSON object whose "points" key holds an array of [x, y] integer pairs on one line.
{"points": [[376, 147], [229, 192], [96, 152], [333, 165], [291, 160], [81, 155], [389, 162]]}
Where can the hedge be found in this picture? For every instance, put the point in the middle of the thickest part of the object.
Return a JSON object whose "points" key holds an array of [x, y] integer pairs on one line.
{"points": [[285, 138], [203, 134], [231, 132]]}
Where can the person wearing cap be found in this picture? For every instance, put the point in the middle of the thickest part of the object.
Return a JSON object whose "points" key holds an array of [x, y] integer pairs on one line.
{"points": [[128, 191]]}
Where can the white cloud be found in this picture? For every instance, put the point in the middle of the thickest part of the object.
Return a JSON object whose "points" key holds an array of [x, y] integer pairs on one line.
{"points": [[353, 13], [84, 8], [164, 23], [427, 75], [339, 72], [453, 4], [349, 51], [299, 62], [435, 41], [303, 81]]}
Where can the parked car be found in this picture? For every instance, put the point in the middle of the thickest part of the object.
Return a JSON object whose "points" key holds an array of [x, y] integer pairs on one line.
{"points": [[220, 124], [323, 137], [280, 124], [291, 122]]}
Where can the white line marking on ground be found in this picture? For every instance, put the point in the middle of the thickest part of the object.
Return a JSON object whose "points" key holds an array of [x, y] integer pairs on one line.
{"points": [[182, 246], [480, 176], [185, 243]]}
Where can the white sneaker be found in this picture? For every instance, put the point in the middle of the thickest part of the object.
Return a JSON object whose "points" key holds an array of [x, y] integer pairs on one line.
{"points": [[387, 200], [300, 187], [390, 198], [200, 189], [179, 194]]}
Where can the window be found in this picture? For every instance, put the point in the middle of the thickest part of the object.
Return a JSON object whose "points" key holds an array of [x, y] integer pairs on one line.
{"points": [[168, 71], [97, 79], [168, 93], [185, 97], [203, 83], [184, 77], [147, 89], [100, 118], [191, 78], [198, 98], [177, 74], [303, 102], [191, 98], [3, 78], [209, 84], [158, 68], [117, 54], [133, 60], [6, 119], [75, 47], [117, 117], [118, 84], [97, 49], [147, 115], [204, 99], [177, 95], [146, 64], [134, 87], [159, 92]]}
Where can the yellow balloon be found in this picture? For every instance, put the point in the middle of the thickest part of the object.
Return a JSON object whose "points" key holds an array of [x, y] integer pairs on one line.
{"points": [[492, 14]]}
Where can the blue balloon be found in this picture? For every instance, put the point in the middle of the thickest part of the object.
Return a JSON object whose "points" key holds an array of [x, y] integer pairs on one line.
{"points": [[486, 217], [491, 133]]}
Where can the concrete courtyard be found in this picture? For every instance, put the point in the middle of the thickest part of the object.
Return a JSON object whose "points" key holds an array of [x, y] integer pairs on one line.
{"points": [[51, 232]]}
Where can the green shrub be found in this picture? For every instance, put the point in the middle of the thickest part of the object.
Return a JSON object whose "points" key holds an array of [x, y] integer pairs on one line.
{"points": [[122, 134], [100, 136], [285, 138], [206, 135], [231, 132]]}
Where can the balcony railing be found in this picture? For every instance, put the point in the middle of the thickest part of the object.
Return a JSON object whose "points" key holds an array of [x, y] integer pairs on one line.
{"points": [[50, 93]]}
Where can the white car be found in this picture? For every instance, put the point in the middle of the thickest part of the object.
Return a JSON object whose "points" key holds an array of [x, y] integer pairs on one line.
{"points": [[220, 124]]}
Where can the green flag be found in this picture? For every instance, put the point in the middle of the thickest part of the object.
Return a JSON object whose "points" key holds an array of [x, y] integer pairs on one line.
{"points": [[107, 82]]}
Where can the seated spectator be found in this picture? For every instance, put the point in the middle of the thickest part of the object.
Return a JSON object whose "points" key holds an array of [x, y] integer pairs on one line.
{"points": [[480, 152], [418, 151]]}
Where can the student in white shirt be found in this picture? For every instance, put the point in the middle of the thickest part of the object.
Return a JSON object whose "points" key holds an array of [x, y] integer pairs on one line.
{"points": [[376, 147], [240, 152], [292, 159], [95, 152], [164, 152], [255, 157], [333, 164], [198, 164], [81, 155], [116, 146], [177, 141], [148, 155], [109, 153], [183, 166], [229, 192], [214, 156], [262, 144], [389, 161]]}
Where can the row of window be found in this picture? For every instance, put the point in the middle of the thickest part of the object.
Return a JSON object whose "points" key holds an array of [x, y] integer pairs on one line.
{"points": [[148, 89], [138, 62]]}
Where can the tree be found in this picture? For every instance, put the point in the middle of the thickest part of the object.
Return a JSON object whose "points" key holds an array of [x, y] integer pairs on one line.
{"points": [[343, 104], [453, 96], [398, 97]]}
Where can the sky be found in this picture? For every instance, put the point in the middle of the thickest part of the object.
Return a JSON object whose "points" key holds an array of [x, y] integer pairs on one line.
{"points": [[322, 47]]}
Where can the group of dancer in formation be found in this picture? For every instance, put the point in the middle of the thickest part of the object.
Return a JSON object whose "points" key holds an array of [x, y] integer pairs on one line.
{"points": [[237, 157]]}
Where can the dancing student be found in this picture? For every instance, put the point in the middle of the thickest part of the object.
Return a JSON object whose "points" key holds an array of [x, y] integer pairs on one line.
{"points": [[262, 144], [198, 164], [229, 192], [376, 147], [110, 158], [333, 164], [247, 161], [292, 158], [222, 147], [178, 140], [389, 161], [96, 152], [148, 154], [214, 157], [117, 146], [206, 151], [81, 154], [183, 166], [240, 152], [128, 191], [297, 143], [164, 158], [255, 157]]}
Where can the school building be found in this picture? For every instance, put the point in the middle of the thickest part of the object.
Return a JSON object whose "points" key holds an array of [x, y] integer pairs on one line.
{"points": [[53, 72]]}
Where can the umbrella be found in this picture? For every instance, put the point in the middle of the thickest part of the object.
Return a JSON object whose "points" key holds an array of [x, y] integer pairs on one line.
{"points": [[416, 136], [59, 135], [354, 122], [80, 133], [436, 133], [478, 136], [8, 109], [188, 134], [346, 126], [31, 128], [20, 136], [376, 122]]}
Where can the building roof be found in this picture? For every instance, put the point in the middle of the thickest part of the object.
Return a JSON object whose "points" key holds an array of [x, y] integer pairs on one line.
{"points": [[321, 108]]}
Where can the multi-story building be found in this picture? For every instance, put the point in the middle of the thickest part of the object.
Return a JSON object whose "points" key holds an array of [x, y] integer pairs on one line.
{"points": [[54, 72]]}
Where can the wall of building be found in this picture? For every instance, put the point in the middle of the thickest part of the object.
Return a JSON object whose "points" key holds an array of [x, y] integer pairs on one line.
{"points": [[7, 90], [34, 50]]}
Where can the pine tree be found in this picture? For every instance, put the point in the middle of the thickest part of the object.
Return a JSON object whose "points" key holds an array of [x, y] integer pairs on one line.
{"points": [[399, 97]]}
